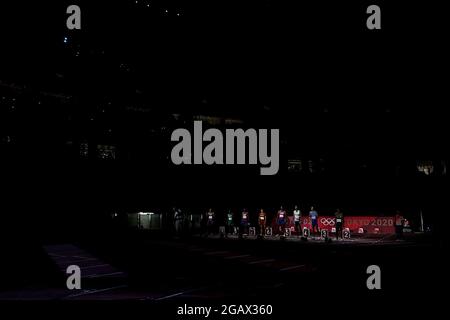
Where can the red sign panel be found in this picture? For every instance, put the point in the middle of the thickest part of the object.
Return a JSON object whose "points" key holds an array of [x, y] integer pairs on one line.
{"points": [[370, 224]]}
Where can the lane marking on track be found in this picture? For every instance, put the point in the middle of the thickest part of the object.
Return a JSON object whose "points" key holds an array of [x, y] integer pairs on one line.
{"points": [[74, 261], [179, 293], [104, 274], [261, 261], [96, 266], [81, 257], [93, 291], [292, 267], [170, 296]]}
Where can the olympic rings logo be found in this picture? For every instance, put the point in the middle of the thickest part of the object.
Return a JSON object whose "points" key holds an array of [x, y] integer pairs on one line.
{"points": [[327, 221]]}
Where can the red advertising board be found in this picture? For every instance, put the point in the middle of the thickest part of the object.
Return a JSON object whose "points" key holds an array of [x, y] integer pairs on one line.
{"points": [[370, 224]]}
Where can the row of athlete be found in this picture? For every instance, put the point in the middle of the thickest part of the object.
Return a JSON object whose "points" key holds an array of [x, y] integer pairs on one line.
{"points": [[281, 220]]}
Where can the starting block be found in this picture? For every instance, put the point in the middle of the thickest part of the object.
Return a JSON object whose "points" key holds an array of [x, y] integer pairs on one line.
{"points": [[306, 232], [269, 231], [252, 231], [324, 234], [346, 233], [287, 232]]}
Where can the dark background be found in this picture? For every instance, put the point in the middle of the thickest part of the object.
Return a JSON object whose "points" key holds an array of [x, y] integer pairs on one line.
{"points": [[361, 109]]}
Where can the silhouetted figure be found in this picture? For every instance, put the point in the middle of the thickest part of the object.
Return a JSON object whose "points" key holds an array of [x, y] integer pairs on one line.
{"points": [[339, 223], [262, 220], [178, 218], [314, 220], [297, 218], [245, 220], [399, 220], [210, 219], [229, 222], [281, 220]]}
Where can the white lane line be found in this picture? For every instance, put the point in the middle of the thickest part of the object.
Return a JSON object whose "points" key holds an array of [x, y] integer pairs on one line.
{"points": [[237, 257], [74, 261], [180, 293], [293, 267], [99, 275], [170, 296], [94, 291], [96, 266], [261, 261], [82, 257]]}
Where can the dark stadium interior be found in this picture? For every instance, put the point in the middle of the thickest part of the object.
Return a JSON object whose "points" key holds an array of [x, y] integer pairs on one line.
{"points": [[86, 118]]}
